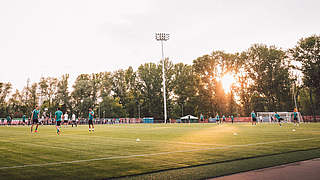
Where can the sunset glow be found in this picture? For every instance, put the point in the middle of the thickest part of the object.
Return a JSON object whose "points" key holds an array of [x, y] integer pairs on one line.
{"points": [[227, 81]]}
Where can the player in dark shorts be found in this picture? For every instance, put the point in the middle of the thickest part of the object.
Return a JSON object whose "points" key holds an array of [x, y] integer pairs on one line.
{"points": [[58, 117], [253, 118], [35, 118], [91, 115], [279, 119], [223, 118], [232, 118], [295, 117], [73, 118], [24, 119]]}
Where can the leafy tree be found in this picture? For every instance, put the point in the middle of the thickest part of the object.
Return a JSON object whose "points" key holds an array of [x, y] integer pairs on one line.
{"points": [[81, 95], [307, 52], [150, 84], [5, 89], [62, 96], [268, 70], [210, 69], [185, 90]]}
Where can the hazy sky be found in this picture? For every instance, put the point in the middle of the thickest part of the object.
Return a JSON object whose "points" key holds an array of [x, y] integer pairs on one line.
{"points": [[51, 38]]}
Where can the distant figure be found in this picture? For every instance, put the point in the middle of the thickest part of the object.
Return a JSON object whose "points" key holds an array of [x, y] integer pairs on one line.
{"points": [[223, 118], [24, 119], [278, 118], [74, 120], [58, 117], [260, 117], [66, 119], [295, 117], [253, 118], [91, 115], [232, 118], [2, 121], [201, 117], [8, 120], [218, 118], [35, 118]]}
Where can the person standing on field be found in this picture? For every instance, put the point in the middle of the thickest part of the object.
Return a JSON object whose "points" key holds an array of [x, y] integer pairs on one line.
{"points": [[201, 117], [66, 119], [218, 118], [35, 118], [295, 117], [8, 120], [223, 118], [91, 116], [232, 118], [58, 117], [24, 119], [74, 120], [253, 118]]}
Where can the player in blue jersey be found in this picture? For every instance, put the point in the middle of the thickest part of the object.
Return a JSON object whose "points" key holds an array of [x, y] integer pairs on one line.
{"points": [[279, 119], [253, 118], [218, 118], [91, 116], [35, 118], [58, 117]]}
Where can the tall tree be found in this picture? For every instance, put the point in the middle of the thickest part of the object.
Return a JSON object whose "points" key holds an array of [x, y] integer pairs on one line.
{"points": [[5, 89], [62, 95], [307, 52], [268, 70], [150, 84], [185, 90], [210, 69]]}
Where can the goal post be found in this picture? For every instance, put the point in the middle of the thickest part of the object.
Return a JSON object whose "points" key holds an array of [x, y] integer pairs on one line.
{"points": [[269, 116]]}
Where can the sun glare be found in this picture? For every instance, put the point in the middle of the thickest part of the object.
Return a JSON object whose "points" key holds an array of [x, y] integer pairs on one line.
{"points": [[227, 81]]}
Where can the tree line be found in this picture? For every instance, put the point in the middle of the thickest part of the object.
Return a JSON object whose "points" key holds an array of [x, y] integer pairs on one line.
{"points": [[268, 78]]}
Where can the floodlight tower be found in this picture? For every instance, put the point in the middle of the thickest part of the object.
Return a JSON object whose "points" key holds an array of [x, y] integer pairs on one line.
{"points": [[163, 37]]}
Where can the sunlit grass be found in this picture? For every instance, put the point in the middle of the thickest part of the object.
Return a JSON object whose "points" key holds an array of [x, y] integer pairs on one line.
{"points": [[112, 150]]}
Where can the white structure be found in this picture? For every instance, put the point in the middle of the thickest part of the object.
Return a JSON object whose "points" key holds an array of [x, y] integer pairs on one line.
{"points": [[287, 116]]}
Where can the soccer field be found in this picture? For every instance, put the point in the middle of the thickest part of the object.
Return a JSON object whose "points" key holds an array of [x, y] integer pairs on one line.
{"points": [[165, 151]]}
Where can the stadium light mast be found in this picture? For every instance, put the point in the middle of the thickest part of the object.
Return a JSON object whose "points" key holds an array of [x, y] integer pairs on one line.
{"points": [[163, 37]]}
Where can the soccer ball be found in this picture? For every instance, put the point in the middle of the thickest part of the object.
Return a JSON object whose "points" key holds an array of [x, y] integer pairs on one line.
{"points": [[137, 140]]}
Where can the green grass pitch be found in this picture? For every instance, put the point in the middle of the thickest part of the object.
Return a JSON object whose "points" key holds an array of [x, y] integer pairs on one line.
{"points": [[165, 151]]}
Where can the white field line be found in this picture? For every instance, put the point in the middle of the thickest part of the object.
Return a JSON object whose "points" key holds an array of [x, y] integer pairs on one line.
{"points": [[152, 154]]}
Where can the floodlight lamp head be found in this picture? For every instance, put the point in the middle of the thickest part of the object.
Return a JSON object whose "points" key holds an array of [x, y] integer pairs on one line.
{"points": [[162, 36]]}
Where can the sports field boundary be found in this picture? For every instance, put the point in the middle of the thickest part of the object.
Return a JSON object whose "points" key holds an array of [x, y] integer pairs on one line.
{"points": [[155, 154], [221, 162]]}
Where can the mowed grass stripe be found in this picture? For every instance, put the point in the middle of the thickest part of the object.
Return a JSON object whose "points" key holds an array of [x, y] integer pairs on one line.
{"points": [[155, 154]]}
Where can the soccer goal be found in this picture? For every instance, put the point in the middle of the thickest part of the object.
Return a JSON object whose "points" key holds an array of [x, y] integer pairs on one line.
{"points": [[269, 116]]}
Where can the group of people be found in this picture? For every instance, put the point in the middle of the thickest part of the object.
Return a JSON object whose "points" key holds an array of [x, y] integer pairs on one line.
{"points": [[223, 118], [59, 116], [277, 117]]}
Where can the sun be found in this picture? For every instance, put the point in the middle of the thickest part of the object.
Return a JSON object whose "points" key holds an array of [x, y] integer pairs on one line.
{"points": [[227, 81]]}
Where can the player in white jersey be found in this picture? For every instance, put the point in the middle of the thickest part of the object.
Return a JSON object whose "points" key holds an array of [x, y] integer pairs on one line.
{"points": [[65, 119]]}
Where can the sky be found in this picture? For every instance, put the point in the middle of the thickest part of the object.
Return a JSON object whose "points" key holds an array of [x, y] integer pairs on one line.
{"points": [[50, 38]]}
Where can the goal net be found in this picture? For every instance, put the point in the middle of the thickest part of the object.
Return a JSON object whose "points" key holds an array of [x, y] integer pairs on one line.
{"points": [[269, 116]]}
